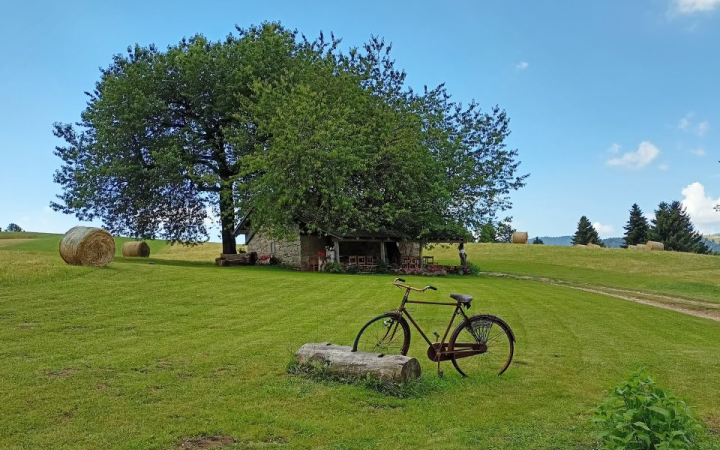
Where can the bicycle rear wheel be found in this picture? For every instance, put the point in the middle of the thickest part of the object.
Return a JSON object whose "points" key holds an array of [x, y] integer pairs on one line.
{"points": [[488, 344], [387, 334]]}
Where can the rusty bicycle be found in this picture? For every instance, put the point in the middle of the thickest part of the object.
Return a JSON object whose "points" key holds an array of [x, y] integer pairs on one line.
{"points": [[480, 345]]}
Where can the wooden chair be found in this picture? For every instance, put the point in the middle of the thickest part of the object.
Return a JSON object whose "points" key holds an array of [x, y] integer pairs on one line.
{"points": [[361, 260], [352, 260], [313, 264], [428, 260]]}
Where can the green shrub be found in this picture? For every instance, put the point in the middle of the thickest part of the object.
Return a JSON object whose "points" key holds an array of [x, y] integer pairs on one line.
{"points": [[352, 269], [640, 415], [334, 267], [383, 268], [474, 269]]}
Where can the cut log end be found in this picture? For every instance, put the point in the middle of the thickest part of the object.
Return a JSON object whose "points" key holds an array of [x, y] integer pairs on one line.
{"points": [[341, 360]]}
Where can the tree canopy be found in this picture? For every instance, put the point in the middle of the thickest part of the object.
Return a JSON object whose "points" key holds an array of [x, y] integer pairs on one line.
{"points": [[586, 233], [271, 124], [637, 227], [505, 230], [13, 227], [672, 226]]}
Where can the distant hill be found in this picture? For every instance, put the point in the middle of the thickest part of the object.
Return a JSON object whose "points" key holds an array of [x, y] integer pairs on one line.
{"points": [[558, 240], [614, 242], [712, 241]]}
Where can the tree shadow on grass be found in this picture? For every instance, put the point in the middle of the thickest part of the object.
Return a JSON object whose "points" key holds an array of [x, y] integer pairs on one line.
{"points": [[199, 264]]}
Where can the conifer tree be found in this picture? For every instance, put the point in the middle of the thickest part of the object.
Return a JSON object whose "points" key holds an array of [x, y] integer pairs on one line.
{"points": [[672, 226], [637, 227], [586, 233]]}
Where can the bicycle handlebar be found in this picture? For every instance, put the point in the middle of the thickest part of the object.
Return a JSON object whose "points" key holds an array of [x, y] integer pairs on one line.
{"points": [[405, 286]]}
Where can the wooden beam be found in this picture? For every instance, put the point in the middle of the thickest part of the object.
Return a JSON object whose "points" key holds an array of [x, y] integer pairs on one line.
{"points": [[383, 254]]}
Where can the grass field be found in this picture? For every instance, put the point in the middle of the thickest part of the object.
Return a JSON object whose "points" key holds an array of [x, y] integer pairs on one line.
{"points": [[671, 273], [145, 356]]}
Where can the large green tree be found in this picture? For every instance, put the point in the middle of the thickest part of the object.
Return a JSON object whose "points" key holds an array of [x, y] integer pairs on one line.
{"points": [[505, 230], [13, 227], [637, 227], [487, 233], [273, 125], [672, 226], [586, 233]]}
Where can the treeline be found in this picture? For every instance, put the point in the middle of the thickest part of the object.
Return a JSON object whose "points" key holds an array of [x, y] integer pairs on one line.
{"points": [[12, 228], [671, 226]]}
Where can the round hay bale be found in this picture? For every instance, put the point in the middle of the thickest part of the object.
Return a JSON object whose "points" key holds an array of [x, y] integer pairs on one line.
{"points": [[135, 248], [520, 237], [632, 247], [591, 245], [641, 247], [656, 246], [579, 245], [87, 246]]}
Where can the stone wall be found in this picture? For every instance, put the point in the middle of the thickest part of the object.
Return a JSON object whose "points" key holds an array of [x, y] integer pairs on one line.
{"points": [[410, 249], [303, 249], [288, 251]]}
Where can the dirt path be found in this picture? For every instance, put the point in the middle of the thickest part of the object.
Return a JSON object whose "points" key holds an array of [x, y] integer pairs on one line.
{"points": [[697, 308]]}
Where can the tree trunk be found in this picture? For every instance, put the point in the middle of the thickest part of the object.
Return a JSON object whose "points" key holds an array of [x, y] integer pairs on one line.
{"points": [[338, 359], [227, 218]]}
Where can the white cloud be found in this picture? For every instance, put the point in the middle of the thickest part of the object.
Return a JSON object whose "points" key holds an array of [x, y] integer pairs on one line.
{"points": [[522, 65], [604, 230], [684, 123], [701, 208], [688, 124], [694, 6], [638, 159], [698, 151], [702, 128], [614, 149]]}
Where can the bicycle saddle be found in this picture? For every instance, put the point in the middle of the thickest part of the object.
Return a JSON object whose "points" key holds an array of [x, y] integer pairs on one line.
{"points": [[465, 299]]}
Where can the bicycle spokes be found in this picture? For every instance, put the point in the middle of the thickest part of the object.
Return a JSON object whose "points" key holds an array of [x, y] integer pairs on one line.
{"points": [[384, 336]]}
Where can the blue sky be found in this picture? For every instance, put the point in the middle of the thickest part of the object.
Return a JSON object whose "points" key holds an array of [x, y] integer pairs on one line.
{"points": [[611, 102]]}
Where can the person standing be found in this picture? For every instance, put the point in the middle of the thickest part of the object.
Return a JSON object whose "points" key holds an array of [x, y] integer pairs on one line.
{"points": [[463, 255]]}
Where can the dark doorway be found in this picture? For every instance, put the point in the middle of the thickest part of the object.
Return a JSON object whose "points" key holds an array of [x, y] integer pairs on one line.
{"points": [[392, 252]]}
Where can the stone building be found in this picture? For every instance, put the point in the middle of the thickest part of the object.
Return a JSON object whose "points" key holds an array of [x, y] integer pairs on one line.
{"points": [[302, 250]]}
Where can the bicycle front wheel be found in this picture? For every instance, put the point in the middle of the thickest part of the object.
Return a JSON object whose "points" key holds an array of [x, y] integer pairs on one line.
{"points": [[483, 346], [388, 334]]}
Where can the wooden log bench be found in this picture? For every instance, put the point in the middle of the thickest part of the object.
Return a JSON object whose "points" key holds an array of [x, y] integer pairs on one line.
{"points": [[341, 360], [240, 259]]}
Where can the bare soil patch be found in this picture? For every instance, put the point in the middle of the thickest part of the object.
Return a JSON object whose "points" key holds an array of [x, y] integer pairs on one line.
{"points": [[62, 373], [207, 442], [697, 308]]}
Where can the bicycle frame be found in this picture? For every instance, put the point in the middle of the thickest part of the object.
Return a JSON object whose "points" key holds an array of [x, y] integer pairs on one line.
{"points": [[438, 351]]}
